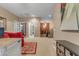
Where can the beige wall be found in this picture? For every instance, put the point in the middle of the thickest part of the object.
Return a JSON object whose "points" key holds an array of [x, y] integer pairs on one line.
{"points": [[37, 27], [58, 34], [9, 16]]}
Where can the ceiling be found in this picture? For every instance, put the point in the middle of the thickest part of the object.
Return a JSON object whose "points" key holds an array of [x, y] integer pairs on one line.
{"points": [[43, 10]]}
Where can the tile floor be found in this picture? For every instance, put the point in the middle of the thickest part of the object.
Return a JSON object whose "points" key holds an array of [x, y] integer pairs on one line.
{"points": [[45, 46]]}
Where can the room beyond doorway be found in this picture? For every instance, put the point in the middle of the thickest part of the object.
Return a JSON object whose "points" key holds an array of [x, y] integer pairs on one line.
{"points": [[46, 29]]}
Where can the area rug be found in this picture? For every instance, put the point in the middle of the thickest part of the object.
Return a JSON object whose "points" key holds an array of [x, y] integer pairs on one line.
{"points": [[29, 48]]}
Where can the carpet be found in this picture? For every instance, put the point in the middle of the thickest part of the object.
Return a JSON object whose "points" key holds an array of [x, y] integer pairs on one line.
{"points": [[29, 48]]}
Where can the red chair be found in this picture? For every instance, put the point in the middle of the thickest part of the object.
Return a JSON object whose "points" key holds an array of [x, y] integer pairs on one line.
{"points": [[14, 35]]}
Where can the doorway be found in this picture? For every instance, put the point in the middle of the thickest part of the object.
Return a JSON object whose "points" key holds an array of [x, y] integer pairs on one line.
{"points": [[44, 29], [31, 30], [22, 28]]}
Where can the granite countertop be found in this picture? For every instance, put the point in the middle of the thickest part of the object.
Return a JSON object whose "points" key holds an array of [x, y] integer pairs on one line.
{"points": [[7, 41], [70, 45]]}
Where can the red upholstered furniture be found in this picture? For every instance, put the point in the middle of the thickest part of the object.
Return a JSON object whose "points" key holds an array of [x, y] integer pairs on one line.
{"points": [[14, 35], [5, 36]]}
